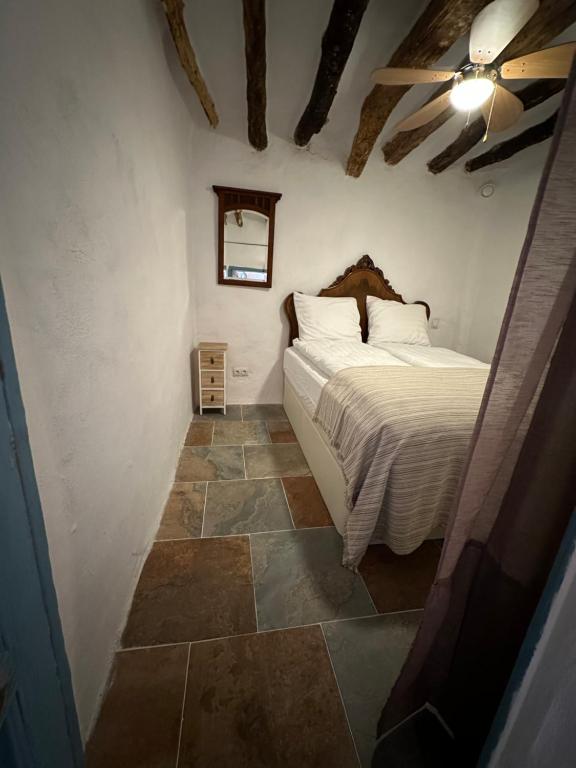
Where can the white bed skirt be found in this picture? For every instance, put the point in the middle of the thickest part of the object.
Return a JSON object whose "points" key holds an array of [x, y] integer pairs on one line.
{"points": [[320, 457]]}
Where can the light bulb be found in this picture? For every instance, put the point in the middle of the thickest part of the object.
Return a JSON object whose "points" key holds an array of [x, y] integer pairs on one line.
{"points": [[471, 93]]}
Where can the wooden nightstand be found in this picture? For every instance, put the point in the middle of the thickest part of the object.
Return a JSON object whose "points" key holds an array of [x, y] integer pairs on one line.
{"points": [[212, 374]]}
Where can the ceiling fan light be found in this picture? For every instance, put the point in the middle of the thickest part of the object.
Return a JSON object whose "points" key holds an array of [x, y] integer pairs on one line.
{"points": [[471, 93]]}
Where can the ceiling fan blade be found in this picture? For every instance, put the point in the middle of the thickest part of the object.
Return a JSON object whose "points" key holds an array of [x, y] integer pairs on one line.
{"points": [[400, 76], [496, 25], [502, 110], [425, 114], [549, 62]]}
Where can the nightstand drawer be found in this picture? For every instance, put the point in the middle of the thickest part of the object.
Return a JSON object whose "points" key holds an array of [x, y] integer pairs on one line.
{"points": [[212, 379], [212, 360], [213, 397]]}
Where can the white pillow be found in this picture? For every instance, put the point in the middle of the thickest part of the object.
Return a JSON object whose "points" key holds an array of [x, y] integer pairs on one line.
{"points": [[392, 321], [324, 317]]}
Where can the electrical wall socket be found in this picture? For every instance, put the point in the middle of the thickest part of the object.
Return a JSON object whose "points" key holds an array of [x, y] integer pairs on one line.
{"points": [[239, 372]]}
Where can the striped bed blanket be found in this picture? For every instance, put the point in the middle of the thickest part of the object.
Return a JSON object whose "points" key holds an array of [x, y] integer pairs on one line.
{"points": [[401, 435]]}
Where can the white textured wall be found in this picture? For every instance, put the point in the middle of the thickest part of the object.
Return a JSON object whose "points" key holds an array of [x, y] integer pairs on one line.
{"points": [[96, 271], [435, 237], [324, 222], [502, 229]]}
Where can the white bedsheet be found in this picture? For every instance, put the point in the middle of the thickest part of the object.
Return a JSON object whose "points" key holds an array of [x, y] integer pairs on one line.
{"points": [[330, 356], [430, 357]]}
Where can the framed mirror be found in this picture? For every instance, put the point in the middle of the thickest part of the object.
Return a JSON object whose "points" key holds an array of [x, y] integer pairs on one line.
{"points": [[245, 236]]}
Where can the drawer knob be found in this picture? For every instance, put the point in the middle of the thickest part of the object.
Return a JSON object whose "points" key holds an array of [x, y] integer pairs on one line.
{"points": [[211, 361], [212, 398], [211, 379]]}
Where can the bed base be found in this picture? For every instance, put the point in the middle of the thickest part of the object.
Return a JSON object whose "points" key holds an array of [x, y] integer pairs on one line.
{"points": [[320, 457]]}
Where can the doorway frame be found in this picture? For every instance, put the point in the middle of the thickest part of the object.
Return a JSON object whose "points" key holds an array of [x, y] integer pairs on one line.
{"points": [[56, 704]]}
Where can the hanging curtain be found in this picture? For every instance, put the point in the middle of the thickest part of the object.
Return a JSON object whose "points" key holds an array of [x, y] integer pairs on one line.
{"points": [[515, 498]]}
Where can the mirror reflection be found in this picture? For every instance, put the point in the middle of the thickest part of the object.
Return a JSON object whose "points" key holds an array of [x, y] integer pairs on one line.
{"points": [[245, 245], [245, 236]]}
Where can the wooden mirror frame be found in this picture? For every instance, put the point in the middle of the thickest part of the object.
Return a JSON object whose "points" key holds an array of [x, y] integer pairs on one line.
{"points": [[360, 280], [231, 199]]}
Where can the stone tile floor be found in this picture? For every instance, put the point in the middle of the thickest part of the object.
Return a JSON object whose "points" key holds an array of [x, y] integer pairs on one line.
{"points": [[247, 643]]}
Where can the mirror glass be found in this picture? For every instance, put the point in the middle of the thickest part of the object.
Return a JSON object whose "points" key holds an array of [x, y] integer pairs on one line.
{"points": [[245, 245]]}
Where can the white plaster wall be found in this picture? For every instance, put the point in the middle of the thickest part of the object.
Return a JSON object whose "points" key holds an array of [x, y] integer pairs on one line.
{"points": [[539, 731], [502, 230], [96, 271], [325, 221]]}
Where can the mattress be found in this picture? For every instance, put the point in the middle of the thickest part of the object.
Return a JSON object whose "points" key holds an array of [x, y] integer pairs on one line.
{"points": [[329, 356], [430, 357], [306, 381], [309, 365]]}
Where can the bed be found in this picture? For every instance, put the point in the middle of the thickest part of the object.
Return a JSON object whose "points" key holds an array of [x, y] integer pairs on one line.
{"points": [[316, 371]]}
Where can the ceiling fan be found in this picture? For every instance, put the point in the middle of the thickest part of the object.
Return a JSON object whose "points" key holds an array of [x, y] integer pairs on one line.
{"points": [[476, 84]]}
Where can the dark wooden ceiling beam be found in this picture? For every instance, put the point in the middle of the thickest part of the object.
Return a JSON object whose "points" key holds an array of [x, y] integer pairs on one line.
{"points": [[255, 52], [532, 95], [440, 25], [174, 10], [552, 18], [337, 43], [509, 148]]}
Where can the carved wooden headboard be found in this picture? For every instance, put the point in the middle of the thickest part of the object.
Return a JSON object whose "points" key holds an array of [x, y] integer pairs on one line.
{"points": [[360, 280]]}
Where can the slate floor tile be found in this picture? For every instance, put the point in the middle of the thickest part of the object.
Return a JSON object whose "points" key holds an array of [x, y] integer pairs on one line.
{"points": [[298, 579], [400, 582], [275, 461], [139, 723], [263, 413], [240, 433], [245, 506], [216, 463], [306, 503], [264, 700], [192, 590], [182, 518], [368, 655], [233, 413], [281, 432], [199, 433]]}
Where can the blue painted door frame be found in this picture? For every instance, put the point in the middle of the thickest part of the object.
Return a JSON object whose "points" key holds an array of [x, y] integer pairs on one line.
{"points": [[38, 723], [533, 637]]}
